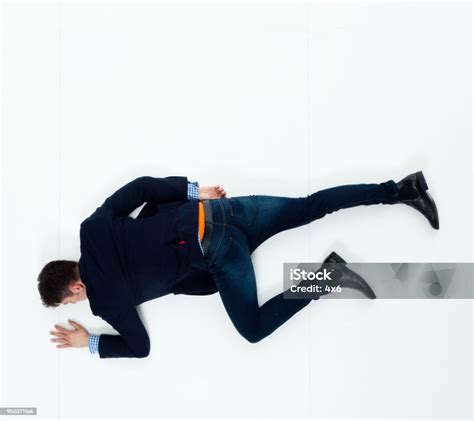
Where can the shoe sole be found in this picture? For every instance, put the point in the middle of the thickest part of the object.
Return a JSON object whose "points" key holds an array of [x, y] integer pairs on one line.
{"points": [[366, 289], [360, 285], [435, 224]]}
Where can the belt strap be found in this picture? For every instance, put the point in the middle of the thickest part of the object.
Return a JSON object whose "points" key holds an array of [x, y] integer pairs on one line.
{"points": [[208, 225]]}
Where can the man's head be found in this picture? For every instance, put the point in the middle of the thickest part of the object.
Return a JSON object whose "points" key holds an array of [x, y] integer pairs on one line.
{"points": [[59, 282]]}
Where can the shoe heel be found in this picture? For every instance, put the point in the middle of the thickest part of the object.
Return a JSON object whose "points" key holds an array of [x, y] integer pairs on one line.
{"points": [[336, 257], [421, 180]]}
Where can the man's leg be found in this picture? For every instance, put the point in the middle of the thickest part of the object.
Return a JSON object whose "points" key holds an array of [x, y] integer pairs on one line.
{"points": [[233, 272], [250, 220], [262, 216]]}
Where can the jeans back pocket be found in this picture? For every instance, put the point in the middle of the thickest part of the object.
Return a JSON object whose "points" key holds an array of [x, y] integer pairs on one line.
{"points": [[243, 208]]}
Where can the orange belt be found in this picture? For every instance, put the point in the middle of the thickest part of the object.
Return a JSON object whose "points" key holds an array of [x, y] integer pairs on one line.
{"points": [[201, 220]]}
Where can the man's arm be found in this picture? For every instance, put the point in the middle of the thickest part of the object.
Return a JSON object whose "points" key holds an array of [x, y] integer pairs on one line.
{"points": [[133, 341], [144, 189]]}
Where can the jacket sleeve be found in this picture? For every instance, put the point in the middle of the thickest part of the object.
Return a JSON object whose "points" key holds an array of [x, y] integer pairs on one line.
{"points": [[133, 341], [144, 189]]}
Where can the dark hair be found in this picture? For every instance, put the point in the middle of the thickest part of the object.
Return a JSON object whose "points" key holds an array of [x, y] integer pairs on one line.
{"points": [[54, 280]]}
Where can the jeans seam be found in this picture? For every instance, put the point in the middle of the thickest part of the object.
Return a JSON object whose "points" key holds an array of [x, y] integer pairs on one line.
{"points": [[230, 207], [255, 210], [223, 224]]}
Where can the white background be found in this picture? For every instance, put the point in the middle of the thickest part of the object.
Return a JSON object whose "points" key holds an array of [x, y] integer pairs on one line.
{"points": [[280, 99]]}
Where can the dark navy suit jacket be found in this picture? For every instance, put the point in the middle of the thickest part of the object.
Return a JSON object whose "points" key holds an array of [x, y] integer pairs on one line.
{"points": [[126, 261]]}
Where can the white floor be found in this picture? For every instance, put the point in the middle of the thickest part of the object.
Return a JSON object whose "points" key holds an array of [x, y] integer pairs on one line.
{"points": [[281, 99]]}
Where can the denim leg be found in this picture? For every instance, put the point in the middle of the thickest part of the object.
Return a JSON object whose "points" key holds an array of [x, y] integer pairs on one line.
{"points": [[233, 272], [242, 223], [262, 216]]}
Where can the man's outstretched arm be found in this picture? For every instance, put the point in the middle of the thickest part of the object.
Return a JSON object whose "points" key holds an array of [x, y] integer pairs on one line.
{"points": [[132, 341]]}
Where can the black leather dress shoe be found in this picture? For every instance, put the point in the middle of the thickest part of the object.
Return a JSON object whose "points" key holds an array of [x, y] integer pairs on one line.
{"points": [[412, 192], [341, 275], [346, 277]]}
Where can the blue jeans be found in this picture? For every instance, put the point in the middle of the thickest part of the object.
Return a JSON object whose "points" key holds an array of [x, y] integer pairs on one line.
{"points": [[241, 224]]}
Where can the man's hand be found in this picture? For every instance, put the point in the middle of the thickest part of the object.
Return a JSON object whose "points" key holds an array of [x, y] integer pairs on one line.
{"points": [[77, 337], [211, 192]]}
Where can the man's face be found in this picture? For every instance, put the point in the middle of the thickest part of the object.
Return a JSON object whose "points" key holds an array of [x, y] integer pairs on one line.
{"points": [[79, 293]]}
